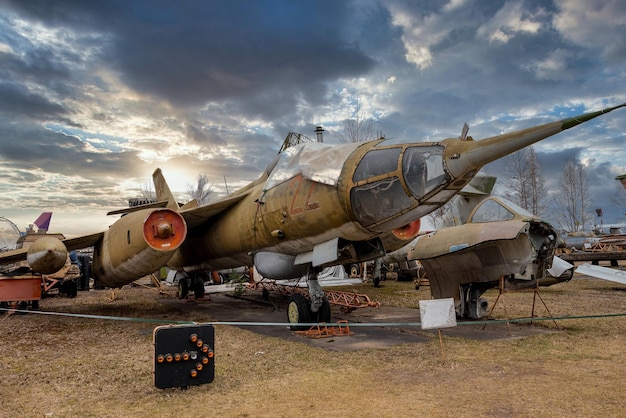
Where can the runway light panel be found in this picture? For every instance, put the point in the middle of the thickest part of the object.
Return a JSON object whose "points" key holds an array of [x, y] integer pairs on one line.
{"points": [[183, 355]]}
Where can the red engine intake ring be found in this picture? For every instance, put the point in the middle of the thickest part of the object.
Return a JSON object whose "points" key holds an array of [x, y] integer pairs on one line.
{"points": [[164, 230], [408, 231]]}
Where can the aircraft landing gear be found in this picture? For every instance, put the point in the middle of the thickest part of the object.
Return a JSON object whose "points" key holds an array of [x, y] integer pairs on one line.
{"points": [[471, 304], [194, 283], [299, 312], [183, 288], [198, 286]]}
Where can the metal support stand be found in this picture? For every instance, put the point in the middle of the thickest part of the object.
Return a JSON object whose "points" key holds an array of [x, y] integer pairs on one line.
{"points": [[536, 294]]}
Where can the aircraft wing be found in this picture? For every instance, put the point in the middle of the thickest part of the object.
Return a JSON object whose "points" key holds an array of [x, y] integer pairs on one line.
{"points": [[193, 217], [613, 275], [200, 214], [71, 244], [82, 242], [13, 256]]}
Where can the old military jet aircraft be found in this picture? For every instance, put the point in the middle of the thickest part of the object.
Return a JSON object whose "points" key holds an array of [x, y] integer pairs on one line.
{"points": [[314, 206]]}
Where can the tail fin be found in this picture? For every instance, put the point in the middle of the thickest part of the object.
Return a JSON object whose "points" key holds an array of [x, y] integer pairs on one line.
{"points": [[43, 221], [163, 191]]}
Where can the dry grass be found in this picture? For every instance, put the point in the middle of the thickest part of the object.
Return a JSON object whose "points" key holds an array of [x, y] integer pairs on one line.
{"points": [[62, 366]]}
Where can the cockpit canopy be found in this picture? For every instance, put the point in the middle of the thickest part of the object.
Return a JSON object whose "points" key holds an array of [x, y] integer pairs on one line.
{"points": [[497, 209], [395, 180]]}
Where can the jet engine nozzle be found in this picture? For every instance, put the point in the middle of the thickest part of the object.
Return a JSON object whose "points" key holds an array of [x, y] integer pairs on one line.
{"points": [[164, 230], [138, 244], [47, 255]]}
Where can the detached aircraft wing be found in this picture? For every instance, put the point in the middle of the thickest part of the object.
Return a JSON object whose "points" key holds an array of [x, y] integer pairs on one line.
{"points": [[604, 273]]}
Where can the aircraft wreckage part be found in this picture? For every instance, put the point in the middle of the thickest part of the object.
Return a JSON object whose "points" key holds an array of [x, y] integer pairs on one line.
{"points": [[604, 273], [47, 255], [138, 244], [519, 251]]}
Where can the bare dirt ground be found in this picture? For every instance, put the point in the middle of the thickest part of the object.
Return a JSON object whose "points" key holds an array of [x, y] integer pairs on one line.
{"points": [[61, 366]]}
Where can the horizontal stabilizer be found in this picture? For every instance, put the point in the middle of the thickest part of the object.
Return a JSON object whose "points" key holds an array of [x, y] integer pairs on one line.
{"points": [[160, 204]]}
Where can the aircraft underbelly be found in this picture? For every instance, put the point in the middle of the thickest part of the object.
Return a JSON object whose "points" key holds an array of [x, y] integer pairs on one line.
{"points": [[192, 261]]}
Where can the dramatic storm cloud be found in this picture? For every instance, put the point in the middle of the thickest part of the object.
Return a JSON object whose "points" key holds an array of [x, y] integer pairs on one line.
{"points": [[96, 95]]}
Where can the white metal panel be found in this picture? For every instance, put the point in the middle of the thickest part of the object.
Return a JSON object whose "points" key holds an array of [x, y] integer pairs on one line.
{"points": [[437, 313]]}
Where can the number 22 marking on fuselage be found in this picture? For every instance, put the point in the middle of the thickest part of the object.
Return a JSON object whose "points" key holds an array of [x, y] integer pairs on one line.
{"points": [[297, 208]]}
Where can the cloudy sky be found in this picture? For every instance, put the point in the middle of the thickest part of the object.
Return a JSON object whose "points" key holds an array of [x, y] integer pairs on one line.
{"points": [[94, 95]]}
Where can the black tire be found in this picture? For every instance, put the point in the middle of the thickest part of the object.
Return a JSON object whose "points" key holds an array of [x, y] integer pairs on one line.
{"points": [[324, 315], [72, 289], [298, 312], [198, 287], [183, 288]]}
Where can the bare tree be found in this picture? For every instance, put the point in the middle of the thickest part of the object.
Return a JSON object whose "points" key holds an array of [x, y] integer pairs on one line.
{"points": [[574, 199], [517, 181], [201, 190], [359, 129], [437, 217], [526, 183], [147, 190], [619, 198], [536, 184]]}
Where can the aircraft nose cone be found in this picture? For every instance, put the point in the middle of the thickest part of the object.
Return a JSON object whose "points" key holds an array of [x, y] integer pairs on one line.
{"points": [[469, 156], [47, 255]]}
